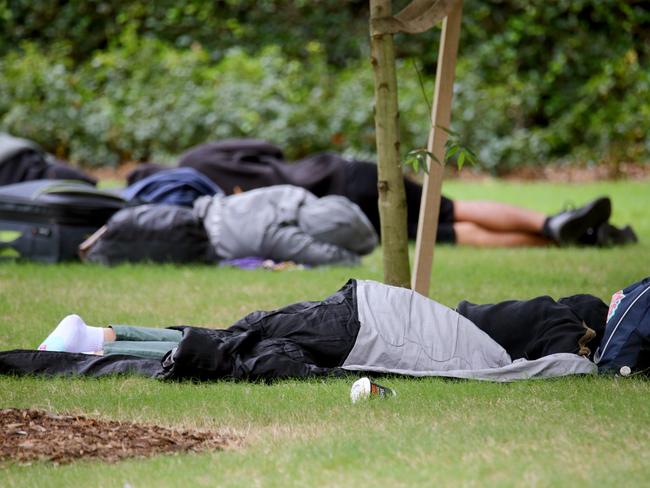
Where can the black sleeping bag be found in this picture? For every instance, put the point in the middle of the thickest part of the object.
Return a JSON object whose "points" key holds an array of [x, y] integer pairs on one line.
{"points": [[24, 160], [21, 362], [245, 164]]}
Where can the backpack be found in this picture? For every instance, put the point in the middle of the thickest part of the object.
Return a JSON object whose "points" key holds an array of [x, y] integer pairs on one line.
{"points": [[155, 232], [177, 186], [627, 332]]}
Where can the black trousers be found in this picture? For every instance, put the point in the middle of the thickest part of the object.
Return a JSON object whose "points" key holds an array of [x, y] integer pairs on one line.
{"points": [[361, 188]]}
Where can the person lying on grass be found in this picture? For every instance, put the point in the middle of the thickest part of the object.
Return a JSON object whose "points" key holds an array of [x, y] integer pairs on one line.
{"points": [[244, 164], [365, 326], [281, 223], [487, 223]]}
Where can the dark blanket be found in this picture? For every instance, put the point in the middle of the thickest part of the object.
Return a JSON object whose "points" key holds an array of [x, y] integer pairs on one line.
{"points": [[535, 328], [203, 354], [244, 164], [202, 357], [209, 354], [300, 340], [48, 363], [173, 186]]}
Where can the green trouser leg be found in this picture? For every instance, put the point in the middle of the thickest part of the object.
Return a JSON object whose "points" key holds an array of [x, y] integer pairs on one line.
{"points": [[144, 342]]}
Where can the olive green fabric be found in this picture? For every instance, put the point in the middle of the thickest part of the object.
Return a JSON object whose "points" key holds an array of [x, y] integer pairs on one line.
{"points": [[144, 342]]}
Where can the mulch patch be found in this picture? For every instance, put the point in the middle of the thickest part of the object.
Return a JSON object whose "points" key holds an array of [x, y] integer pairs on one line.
{"points": [[28, 435]]}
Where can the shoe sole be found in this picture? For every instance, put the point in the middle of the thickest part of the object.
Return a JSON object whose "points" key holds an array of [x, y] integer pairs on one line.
{"points": [[591, 215]]}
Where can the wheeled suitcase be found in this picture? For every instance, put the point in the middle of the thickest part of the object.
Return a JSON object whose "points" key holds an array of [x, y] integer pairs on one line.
{"points": [[46, 220]]}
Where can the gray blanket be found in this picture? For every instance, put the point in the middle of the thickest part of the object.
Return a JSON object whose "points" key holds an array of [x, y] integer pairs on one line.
{"points": [[403, 332]]}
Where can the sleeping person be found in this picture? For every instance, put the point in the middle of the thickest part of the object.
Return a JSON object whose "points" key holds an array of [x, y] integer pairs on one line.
{"points": [[365, 326], [281, 223], [245, 164]]}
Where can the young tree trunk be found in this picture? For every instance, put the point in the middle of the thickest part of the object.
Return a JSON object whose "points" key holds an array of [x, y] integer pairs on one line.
{"points": [[392, 198]]}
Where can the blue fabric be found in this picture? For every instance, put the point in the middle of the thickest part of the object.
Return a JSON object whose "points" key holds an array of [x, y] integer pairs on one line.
{"points": [[627, 329], [177, 186]]}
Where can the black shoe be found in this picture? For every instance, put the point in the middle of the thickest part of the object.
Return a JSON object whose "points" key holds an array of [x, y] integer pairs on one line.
{"points": [[609, 235], [590, 237], [569, 226]]}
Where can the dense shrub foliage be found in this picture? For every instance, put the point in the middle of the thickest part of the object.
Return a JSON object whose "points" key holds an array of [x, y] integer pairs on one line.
{"points": [[110, 109], [547, 80], [103, 82], [87, 25]]}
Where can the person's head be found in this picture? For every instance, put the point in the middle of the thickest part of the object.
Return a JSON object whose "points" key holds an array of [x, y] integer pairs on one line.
{"points": [[336, 220]]}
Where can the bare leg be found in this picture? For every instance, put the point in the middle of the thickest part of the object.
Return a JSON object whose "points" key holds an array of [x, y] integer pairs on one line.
{"points": [[499, 217], [471, 234], [109, 335]]}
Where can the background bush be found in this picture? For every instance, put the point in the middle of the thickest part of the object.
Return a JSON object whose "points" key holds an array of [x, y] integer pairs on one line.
{"points": [[105, 82]]}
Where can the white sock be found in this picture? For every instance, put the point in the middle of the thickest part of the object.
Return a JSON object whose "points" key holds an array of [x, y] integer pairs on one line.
{"points": [[73, 335]]}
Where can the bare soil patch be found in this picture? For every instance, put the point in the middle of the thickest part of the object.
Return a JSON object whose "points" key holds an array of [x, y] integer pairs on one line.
{"points": [[556, 173], [560, 173], [28, 435], [108, 173]]}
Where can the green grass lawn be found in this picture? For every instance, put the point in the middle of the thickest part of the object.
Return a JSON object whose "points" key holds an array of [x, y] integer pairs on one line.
{"points": [[563, 432]]}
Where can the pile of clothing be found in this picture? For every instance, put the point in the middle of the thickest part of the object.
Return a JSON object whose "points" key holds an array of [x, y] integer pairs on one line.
{"points": [[281, 223], [175, 215], [240, 198]]}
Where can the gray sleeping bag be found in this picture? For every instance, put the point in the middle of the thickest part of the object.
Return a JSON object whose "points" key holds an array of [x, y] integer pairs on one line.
{"points": [[403, 332], [286, 223]]}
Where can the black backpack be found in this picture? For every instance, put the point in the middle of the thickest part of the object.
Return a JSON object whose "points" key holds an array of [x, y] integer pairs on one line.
{"points": [[156, 233]]}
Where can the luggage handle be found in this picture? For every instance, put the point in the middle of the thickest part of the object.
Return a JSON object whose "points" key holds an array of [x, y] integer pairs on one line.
{"points": [[71, 186]]}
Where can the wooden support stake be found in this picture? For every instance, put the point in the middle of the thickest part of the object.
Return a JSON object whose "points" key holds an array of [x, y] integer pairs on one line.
{"points": [[440, 117]]}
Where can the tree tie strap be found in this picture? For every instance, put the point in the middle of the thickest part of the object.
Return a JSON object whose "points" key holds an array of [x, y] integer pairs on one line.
{"points": [[418, 16]]}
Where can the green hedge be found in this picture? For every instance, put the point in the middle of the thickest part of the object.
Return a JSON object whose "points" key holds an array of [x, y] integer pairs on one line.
{"points": [[546, 80], [84, 26], [145, 100], [104, 82]]}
